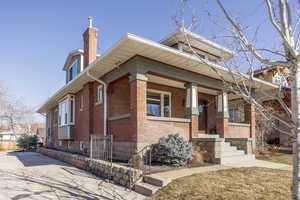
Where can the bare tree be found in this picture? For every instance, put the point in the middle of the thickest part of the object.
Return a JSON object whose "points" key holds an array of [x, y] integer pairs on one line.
{"points": [[14, 114], [284, 18]]}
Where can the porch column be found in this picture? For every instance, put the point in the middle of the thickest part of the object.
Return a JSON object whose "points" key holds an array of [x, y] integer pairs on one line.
{"points": [[191, 105], [138, 105], [249, 110], [222, 113]]}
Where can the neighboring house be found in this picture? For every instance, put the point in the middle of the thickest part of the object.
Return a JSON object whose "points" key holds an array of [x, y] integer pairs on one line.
{"points": [[278, 76], [153, 89]]}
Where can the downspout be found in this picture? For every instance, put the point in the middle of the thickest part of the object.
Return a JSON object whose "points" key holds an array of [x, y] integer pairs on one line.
{"points": [[105, 101]]}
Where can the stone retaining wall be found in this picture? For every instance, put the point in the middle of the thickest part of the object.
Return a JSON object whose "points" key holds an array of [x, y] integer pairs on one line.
{"points": [[210, 148], [122, 175]]}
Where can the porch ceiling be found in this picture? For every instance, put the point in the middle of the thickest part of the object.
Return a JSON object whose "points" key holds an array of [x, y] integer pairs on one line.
{"points": [[177, 84]]}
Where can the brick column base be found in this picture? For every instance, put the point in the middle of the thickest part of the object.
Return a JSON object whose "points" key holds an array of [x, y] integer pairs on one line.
{"points": [[222, 126], [194, 128]]}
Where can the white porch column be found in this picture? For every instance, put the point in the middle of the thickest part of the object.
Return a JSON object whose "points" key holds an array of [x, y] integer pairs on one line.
{"points": [[191, 103], [222, 105], [222, 114], [191, 106]]}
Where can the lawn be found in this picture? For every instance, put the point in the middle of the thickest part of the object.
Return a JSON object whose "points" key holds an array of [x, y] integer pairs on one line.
{"points": [[232, 184], [279, 157]]}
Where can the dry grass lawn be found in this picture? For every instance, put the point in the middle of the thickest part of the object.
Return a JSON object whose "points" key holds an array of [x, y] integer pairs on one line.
{"points": [[233, 184], [279, 157]]}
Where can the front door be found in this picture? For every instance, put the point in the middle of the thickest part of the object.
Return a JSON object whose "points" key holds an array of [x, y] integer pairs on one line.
{"points": [[202, 108]]}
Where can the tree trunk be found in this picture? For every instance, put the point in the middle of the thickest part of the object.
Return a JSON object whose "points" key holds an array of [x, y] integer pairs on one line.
{"points": [[295, 92]]}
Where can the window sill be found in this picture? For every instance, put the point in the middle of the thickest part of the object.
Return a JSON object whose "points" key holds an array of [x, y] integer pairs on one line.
{"points": [[238, 124], [169, 119], [117, 117], [98, 103], [71, 124]]}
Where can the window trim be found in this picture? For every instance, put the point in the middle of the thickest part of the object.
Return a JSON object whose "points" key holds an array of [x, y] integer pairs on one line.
{"points": [[76, 60], [81, 102], [162, 93], [99, 100]]}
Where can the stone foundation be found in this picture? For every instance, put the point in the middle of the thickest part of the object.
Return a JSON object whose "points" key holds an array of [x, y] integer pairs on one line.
{"points": [[210, 148], [119, 174]]}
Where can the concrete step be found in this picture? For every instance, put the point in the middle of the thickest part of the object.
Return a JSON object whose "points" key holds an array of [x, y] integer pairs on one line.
{"points": [[237, 159], [228, 148], [232, 153], [207, 136], [157, 181], [145, 188]]}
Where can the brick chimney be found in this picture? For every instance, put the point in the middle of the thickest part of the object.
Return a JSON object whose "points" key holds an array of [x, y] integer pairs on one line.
{"points": [[90, 43]]}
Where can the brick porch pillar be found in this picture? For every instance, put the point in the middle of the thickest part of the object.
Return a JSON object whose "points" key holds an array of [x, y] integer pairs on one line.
{"points": [[249, 110], [138, 104], [222, 114], [191, 105]]}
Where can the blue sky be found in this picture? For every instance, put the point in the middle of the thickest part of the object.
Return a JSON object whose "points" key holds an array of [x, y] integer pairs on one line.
{"points": [[36, 36]]}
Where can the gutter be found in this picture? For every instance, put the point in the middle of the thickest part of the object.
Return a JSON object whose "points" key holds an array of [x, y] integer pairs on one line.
{"points": [[105, 100]]}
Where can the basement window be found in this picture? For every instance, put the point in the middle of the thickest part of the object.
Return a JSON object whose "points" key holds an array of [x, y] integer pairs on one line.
{"points": [[158, 103], [66, 112]]}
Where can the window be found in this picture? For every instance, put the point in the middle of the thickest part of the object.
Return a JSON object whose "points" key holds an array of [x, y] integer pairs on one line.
{"points": [[280, 80], [158, 103], [73, 70], [99, 94], [66, 111]]}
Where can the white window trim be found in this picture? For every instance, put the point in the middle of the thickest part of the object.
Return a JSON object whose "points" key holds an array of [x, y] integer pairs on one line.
{"points": [[68, 98], [81, 103], [99, 98], [162, 101]]}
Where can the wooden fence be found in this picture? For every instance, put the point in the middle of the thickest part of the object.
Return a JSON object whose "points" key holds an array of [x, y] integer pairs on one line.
{"points": [[8, 145]]}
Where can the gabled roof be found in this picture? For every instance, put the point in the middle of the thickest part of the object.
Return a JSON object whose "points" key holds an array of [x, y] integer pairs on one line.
{"points": [[70, 56], [131, 45], [195, 40]]}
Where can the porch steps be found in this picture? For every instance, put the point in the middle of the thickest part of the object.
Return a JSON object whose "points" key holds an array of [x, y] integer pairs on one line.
{"points": [[230, 154], [150, 184]]}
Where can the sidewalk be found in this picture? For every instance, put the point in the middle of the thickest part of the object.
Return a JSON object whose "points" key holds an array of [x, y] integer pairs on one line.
{"points": [[175, 174]]}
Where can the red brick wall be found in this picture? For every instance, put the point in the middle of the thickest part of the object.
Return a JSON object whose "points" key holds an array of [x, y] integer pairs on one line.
{"points": [[235, 131], [98, 116], [119, 97], [83, 123], [122, 130], [157, 129]]}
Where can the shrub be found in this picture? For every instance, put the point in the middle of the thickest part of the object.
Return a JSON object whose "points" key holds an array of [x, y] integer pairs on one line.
{"points": [[27, 141], [172, 150]]}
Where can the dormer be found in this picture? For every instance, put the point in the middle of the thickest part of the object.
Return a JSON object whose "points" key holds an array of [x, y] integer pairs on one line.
{"points": [[74, 64], [184, 40], [79, 59]]}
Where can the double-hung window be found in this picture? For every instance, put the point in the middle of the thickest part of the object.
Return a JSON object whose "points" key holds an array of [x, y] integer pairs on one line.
{"points": [[73, 70], [158, 103], [66, 112]]}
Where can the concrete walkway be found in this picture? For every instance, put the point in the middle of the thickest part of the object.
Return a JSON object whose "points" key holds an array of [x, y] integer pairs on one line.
{"points": [[175, 174], [30, 176]]}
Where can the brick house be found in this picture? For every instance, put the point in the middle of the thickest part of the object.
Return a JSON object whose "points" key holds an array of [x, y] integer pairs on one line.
{"points": [[278, 76], [140, 90]]}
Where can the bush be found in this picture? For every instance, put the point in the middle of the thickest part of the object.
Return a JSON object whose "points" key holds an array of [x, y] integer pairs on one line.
{"points": [[172, 150], [27, 141]]}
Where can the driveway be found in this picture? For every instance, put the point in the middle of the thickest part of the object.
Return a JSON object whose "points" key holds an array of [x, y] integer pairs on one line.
{"points": [[29, 175]]}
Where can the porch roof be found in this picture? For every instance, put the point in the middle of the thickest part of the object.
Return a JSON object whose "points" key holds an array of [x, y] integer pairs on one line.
{"points": [[131, 45]]}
